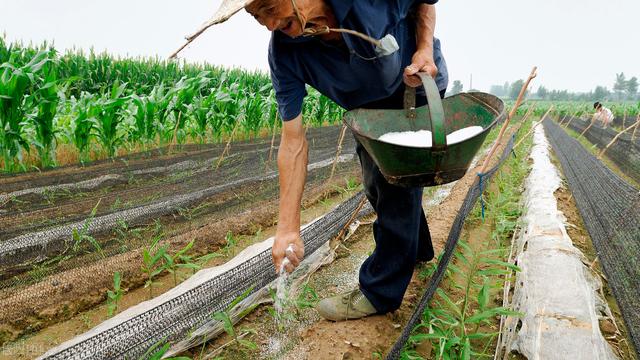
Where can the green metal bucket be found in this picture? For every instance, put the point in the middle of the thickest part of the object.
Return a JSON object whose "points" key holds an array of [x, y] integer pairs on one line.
{"points": [[426, 166]]}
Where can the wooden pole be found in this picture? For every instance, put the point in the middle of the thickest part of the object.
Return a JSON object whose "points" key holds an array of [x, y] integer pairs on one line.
{"points": [[573, 117], [533, 127], [633, 136], [338, 151], [616, 138], [593, 121], [498, 142], [273, 139], [226, 148]]}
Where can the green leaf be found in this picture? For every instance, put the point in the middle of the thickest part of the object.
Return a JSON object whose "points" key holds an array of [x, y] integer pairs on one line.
{"points": [[483, 296]]}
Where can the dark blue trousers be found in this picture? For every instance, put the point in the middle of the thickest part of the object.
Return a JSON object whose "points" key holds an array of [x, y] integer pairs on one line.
{"points": [[400, 231]]}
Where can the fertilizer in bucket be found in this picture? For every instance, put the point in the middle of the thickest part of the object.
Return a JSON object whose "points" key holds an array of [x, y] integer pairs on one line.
{"points": [[422, 138]]}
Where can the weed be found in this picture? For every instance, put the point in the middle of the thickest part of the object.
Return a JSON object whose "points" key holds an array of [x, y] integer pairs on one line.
{"points": [[308, 298]]}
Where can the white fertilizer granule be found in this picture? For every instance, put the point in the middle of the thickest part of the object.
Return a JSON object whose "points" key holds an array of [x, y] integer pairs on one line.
{"points": [[422, 138], [463, 134]]}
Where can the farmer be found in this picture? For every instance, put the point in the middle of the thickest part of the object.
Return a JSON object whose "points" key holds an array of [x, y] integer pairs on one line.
{"points": [[602, 114], [355, 71]]}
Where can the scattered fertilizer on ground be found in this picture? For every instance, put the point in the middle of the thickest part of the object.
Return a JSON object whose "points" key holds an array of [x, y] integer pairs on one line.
{"points": [[422, 138], [280, 303]]}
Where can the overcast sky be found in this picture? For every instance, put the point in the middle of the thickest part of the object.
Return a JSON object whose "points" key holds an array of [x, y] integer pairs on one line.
{"points": [[577, 44]]}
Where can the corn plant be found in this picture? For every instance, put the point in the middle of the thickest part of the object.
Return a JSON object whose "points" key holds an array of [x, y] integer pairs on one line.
{"points": [[83, 123], [180, 260], [46, 98], [113, 297], [80, 236], [183, 94], [15, 81], [455, 328], [107, 117], [153, 262], [227, 323], [158, 351]]}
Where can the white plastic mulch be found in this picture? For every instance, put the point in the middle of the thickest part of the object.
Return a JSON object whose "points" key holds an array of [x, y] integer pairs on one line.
{"points": [[555, 290]]}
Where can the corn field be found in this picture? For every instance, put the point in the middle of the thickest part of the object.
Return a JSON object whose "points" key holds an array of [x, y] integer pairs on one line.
{"points": [[101, 106]]}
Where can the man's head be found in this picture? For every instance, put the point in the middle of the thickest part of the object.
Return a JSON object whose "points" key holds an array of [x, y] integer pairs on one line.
{"points": [[597, 105], [282, 15]]}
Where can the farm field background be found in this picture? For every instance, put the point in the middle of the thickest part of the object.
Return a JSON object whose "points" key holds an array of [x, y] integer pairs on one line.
{"points": [[122, 178]]}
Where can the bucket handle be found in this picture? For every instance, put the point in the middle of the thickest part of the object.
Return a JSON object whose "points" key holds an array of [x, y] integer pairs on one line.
{"points": [[438, 135]]}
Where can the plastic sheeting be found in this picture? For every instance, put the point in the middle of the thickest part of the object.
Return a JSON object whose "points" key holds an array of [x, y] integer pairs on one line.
{"points": [[555, 291]]}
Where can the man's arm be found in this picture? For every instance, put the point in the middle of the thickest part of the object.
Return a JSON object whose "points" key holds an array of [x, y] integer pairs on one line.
{"points": [[422, 60], [292, 165]]}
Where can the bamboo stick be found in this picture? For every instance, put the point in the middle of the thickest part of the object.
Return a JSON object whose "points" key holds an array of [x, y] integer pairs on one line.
{"points": [[563, 119], [633, 136], [533, 127], [273, 139], [226, 148], [338, 151], [615, 138], [498, 142], [573, 117], [593, 121]]}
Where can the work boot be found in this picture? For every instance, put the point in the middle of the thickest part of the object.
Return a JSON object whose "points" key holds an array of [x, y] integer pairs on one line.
{"points": [[350, 305]]}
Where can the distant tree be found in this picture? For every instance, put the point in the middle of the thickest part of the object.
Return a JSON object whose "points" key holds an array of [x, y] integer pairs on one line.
{"points": [[457, 87], [497, 90], [600, 93], [542, 92], [506, 88], [632, 87], [620, 86], [515, 89]]}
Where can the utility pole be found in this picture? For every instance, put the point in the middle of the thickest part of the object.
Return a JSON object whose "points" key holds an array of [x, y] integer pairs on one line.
{"points": [[471, 82]]}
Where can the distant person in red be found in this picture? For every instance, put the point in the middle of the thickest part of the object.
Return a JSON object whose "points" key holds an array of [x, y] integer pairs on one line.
{"points": [[602, 114]]}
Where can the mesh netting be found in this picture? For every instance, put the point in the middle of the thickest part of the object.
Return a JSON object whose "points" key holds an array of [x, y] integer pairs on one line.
{"points": [[610, 208], [172, 320], [41, 270], [625, 152], [452, 240]]}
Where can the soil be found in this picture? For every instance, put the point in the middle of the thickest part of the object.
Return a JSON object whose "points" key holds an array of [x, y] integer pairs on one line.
{"points": [[360, 339], [59, 319], [63, 295]]}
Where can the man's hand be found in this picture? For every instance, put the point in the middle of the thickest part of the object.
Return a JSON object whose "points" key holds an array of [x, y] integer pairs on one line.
{"points": [[279, 251], [422, 61]]}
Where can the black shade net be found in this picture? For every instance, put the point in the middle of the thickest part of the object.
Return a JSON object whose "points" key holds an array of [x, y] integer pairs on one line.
{"points": [[610, 209]]}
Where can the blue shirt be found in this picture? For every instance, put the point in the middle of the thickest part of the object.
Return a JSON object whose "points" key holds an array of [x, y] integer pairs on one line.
{"points": [[347, 74]]}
